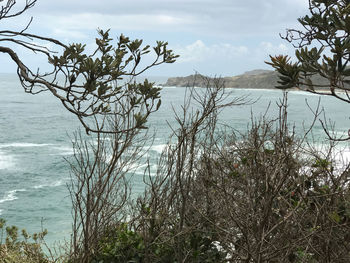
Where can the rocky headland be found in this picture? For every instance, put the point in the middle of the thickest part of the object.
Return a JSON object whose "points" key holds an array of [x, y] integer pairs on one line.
{"points": [[255, 79]]}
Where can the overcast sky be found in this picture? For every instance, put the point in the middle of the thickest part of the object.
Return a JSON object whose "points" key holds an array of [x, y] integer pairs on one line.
{"points": [[213, 37]]}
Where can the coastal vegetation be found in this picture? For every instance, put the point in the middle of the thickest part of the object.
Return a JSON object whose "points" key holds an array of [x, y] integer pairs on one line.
{"points": [[27, 248], [266, 195], [322, 49]]}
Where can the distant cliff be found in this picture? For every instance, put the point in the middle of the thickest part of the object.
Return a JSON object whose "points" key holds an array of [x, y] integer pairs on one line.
{"points": [[255, 79]]}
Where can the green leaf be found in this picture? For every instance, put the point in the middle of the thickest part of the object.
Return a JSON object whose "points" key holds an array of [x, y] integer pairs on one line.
{"points": [[158, 104], [335, 217]]}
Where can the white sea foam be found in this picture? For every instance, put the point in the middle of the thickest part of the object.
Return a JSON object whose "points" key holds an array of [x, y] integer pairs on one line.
{"points": [[11, 195], [1, 212], [23, 145], [139, 169], [53, 184], [144, 170], [63, 150], [342, 158], [6, 161], [159, 148]]}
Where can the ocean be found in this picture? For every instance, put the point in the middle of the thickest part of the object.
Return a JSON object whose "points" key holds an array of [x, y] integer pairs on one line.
{"points": [[36, 132]]}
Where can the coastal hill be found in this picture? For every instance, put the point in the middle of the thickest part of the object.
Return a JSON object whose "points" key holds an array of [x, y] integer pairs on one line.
{"points": [[261, 79], [255, 79]]}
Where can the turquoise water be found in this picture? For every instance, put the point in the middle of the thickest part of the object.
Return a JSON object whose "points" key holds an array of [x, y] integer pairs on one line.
{"points": [[35, 135]]}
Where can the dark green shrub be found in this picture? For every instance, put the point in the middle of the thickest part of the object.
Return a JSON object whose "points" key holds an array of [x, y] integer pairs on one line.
{"points": [[121, 245]]}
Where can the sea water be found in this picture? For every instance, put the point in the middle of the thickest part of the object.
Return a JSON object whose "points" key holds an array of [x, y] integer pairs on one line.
{"points": [[36, 132]]}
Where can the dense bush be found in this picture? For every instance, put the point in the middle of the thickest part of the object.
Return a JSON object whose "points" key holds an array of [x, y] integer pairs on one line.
{"points": [[24, 248], [220, 196], [264, 196], [123, 245]]}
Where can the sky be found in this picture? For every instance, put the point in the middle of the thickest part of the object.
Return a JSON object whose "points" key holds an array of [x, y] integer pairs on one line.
{"points": [[212, 37]]}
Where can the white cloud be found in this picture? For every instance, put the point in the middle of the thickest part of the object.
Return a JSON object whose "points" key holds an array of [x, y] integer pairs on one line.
{"points": [[226, 59], [91, 21], [269, 48], [224, 18], [198, 51]]}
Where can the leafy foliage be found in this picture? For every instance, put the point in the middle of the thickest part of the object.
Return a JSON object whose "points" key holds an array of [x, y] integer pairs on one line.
{"points": [[121, 245], [254, 197], [89, 83], [26, 249], [326, 65], [99, 80], [124, 245]]}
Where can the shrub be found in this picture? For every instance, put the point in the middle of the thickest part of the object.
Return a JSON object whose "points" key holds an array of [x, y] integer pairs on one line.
{"points": [[14, 249]]}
